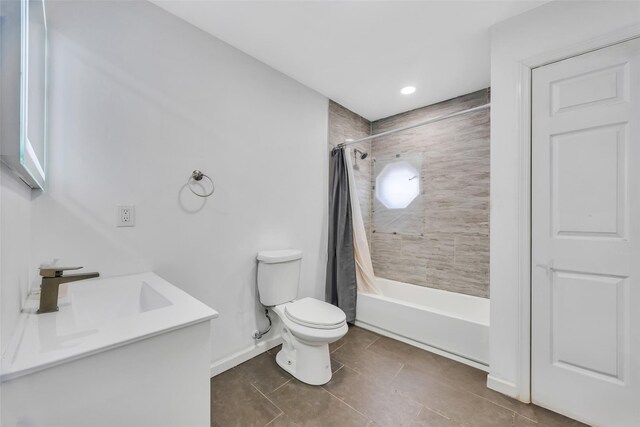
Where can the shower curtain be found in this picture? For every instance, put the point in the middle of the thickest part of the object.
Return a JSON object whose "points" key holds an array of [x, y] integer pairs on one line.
{"points": [[365, 277], [341, 287]]}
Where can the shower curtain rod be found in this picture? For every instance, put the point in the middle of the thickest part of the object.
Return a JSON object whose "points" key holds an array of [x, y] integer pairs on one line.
{"points": [[415, 125]]}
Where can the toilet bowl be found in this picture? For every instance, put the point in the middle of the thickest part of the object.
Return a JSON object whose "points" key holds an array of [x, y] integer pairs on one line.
{"points": [[308, 324]]}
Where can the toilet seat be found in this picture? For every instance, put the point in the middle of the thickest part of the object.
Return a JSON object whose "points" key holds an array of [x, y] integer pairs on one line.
{"points": [[314, 313]]}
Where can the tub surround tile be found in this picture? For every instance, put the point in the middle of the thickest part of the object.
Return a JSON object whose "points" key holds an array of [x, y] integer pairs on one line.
{"points": [[463, 102], [472, 256], [409, 272], [429, 246], [435, 250], [407, 221], [344, 124], [443, 235], [427, 390], [455, 281], [384, 246]]}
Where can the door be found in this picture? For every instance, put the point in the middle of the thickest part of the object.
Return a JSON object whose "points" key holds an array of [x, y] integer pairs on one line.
{"points": [[586, 236]]}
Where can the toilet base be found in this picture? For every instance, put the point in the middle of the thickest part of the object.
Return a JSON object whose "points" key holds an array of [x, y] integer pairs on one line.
{"points": [[310, 364]]}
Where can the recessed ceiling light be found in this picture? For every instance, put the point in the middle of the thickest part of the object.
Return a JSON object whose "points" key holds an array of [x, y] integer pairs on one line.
{"points": [[408, 90]]}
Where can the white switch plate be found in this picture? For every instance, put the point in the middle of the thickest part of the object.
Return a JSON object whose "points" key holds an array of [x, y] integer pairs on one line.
{"points": [[126, 216]]}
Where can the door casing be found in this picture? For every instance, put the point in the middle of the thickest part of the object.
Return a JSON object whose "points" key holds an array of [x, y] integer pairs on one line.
{"points": [[525, 68]]}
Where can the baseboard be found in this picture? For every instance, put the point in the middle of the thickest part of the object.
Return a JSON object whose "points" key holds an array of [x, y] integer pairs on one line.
{"points": [[426, 347], [502, 386], [219, 366]]}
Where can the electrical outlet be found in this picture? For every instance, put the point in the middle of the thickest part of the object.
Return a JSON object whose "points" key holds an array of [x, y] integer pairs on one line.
{"points": [[126, 216]]}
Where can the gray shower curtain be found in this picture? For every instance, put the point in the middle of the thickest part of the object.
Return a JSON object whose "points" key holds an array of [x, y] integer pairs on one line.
{"points": [[341, 288]]}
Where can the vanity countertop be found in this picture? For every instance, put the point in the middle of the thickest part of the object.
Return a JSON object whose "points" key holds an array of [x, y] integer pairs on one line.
{"points": [[97, 315]]}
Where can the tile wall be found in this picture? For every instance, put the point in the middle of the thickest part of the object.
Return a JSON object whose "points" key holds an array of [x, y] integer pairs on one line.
{"points": [[441, 240]]}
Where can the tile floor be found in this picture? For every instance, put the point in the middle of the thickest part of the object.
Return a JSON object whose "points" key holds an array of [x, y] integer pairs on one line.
{"points": [[377, 381]]}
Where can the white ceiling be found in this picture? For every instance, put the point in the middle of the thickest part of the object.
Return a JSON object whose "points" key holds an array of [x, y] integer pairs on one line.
{"points": [[361, 53]]}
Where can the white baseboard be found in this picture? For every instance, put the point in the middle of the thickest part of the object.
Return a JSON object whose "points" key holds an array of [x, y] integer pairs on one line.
{"points": [[426, 347], [219, 366], [502, 386]]}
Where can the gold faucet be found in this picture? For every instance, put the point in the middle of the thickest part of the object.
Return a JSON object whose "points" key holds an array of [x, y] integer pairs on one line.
{"points": [[52, 278]]}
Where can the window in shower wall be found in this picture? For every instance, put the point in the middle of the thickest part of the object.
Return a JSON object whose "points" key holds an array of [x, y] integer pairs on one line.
{"points": [[441, 238], [398, 195]]}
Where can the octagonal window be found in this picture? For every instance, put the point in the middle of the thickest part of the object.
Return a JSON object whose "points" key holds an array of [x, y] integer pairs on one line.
{"points": [[398, 184]]}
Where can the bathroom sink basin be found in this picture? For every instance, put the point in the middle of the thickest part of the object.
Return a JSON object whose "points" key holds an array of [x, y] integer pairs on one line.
{"points": [[105, 301], [96, 315]]}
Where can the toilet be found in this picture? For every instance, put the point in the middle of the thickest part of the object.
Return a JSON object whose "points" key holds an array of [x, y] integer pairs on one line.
{"points": [[308, 325]]}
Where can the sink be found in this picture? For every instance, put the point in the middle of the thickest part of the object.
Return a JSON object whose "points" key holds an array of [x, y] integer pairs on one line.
{"points": [[116, 353], [104, 302], [97, 314]]}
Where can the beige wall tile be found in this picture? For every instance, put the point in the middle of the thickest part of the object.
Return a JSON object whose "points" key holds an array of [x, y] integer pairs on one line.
{"points": [[443, 237], [345, 124]]}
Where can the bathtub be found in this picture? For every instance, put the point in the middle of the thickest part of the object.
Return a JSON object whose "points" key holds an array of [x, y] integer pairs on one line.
{"points": [[447, 323]]}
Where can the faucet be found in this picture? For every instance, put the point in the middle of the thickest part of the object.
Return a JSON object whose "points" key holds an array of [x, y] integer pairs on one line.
{"points": [[52, 278]]}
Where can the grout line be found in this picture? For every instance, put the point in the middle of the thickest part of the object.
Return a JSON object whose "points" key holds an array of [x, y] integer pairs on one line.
{"points": [[342, 401], [443, 415], [281, 385], [372, 342], [337, 370], [270, 422], [420, 409], [271, 401], [495, 403], [517, 414], [338, 348], [397, 373]]}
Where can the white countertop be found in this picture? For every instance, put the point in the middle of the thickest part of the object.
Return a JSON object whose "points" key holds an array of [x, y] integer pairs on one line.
{"points": [[97, 315]]}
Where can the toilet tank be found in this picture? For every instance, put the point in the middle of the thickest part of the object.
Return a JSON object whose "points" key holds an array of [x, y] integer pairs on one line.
{"points": [[278, 276]]}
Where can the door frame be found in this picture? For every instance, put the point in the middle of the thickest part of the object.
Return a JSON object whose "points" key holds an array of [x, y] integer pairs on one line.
{"points": [[525, 68]]}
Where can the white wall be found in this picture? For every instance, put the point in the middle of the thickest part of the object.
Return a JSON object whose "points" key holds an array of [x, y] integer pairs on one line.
{"points": [[549, 30], [139, 99], [15, 232]]}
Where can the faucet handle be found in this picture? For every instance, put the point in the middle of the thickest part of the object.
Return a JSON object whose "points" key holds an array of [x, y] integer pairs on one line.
{"points": [[54, 271]]}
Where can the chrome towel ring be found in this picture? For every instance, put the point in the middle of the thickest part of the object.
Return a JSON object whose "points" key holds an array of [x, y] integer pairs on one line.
{"points": [[197, 176]]}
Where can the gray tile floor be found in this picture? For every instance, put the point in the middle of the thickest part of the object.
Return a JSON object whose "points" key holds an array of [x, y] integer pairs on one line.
{"points": [[377, 381]]}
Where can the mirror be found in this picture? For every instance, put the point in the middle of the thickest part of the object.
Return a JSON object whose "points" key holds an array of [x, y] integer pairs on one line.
{"points": [[23, 89]]}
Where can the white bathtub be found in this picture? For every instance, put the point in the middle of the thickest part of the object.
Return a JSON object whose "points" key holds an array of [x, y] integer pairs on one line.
{"points": [[451, 324]]}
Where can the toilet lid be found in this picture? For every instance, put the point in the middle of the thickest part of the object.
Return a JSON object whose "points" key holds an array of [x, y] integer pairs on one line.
{"points": [[315, 314]]}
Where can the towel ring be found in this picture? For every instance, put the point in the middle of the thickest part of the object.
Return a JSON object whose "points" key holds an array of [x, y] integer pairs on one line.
{"points": [[197, 176]]}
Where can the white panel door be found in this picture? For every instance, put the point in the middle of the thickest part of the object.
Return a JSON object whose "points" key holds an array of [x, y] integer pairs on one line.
{"points": [[586, 236]]}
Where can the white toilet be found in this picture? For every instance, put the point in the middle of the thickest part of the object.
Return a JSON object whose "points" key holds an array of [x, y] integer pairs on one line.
{"points": [[309, 325]]}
